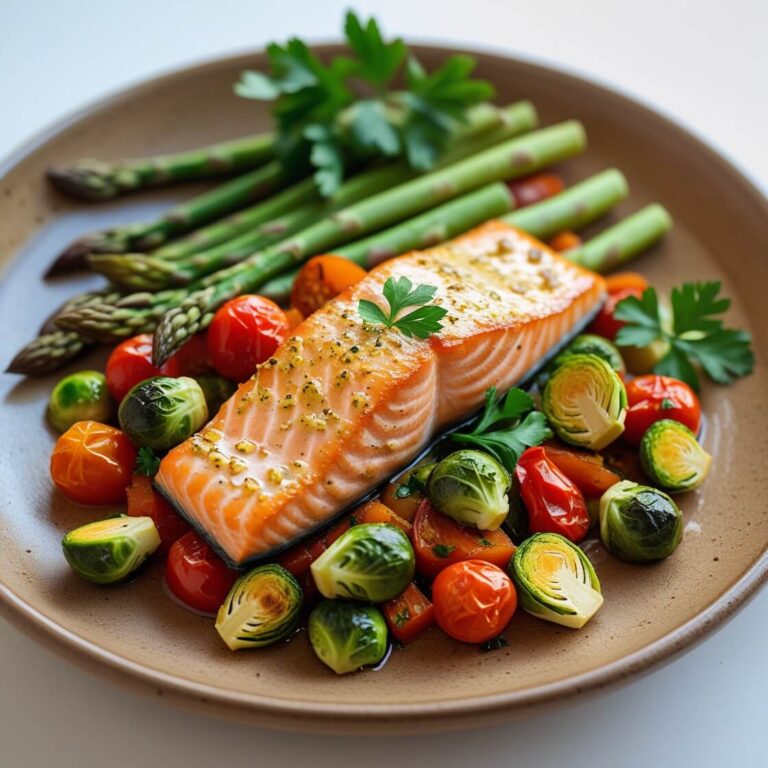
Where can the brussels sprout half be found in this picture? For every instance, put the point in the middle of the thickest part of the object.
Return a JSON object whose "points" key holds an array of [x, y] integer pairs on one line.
{"points": [[346, 636], [555, 580], [81, 396], [109, 551], [639, 523], [161, 412], [672, 457], [585, 402], [373, 561], [471, 487], [262, 607], [592, 344]]}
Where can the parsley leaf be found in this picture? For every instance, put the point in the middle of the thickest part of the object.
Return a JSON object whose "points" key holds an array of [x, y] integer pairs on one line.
{"points": [[696, 337], [517, 427], [442, 550], [378, 61], [147, 462], [400, 294]]}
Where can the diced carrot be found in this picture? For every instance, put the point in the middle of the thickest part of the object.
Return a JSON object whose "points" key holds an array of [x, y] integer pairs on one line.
{"points": [[409, 614], [376, 512], [534, 189], [621, 281], [564, 241], [403, 507]]}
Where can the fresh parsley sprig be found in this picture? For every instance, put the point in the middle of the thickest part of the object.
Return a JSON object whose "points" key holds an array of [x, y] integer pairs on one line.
{"points": [[696, 335], [335, 115], [147, 462], [400, 294], [507, 426]]}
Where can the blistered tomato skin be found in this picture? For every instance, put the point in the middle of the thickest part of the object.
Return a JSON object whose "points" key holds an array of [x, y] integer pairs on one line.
{"points": [[473, 601], [92, 463], [131, 362], [605, 324], [245, 332]]}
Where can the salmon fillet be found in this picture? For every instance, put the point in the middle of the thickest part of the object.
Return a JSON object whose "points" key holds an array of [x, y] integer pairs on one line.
{"points": [[343, 405]]}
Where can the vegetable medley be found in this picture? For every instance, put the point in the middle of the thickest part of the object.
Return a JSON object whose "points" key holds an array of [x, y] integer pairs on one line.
{"points": [[494, 519]]}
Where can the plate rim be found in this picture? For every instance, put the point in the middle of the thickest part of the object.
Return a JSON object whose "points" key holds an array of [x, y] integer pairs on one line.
{"points": [[304, 715]]}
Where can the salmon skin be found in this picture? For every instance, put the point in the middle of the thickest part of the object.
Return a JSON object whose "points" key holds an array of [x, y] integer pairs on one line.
{"points": [[343, 405]]}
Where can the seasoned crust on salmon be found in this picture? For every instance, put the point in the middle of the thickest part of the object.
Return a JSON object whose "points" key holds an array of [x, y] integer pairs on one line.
{"points": [[343, 405]]}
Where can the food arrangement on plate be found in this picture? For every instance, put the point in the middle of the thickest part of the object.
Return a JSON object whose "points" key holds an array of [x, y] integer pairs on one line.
{"points": [[375, 382]]}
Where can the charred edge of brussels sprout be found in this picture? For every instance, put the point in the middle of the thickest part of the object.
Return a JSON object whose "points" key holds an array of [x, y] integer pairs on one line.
{"points": [[672, 457], [346, 636], [262, 608], [638, 523]]}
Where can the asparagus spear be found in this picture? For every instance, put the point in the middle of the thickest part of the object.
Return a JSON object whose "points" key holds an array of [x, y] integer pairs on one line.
{"points": [[99, 180], [146, 272]]}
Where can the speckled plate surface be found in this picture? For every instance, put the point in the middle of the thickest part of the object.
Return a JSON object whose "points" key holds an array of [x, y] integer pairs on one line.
{"points": [[135, 634]]}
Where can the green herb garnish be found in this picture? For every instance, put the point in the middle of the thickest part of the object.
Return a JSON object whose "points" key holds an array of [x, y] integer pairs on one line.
{"points": [[403, 618], [324, 123], [147, 462], [493, 644], [697, 335], [507, 426], [442, 550], [400, 294]]}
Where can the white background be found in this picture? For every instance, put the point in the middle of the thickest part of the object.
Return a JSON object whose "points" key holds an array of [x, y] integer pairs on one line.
{"points": [[705, 63]]}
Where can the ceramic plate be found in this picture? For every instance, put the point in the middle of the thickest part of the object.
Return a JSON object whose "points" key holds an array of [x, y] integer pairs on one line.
{"points": [[136, 635]]}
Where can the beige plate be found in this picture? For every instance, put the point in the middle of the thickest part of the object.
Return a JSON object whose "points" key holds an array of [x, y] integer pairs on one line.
{"points": [[135, 634]]}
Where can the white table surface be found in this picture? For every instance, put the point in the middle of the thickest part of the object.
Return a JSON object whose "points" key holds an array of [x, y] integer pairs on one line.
{"points": [[705, 63]]}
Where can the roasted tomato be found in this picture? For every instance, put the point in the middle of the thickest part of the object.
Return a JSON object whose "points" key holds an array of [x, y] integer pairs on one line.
{"points": [[473, 600], [605, 324], [243, 333], [193, 358], [535, 188], [652, 398], [553, 501], [408, 614], [92, 463], [586, 470], [321, 279], [131, 362], [144, 501], [439, 541], [197, 575]]}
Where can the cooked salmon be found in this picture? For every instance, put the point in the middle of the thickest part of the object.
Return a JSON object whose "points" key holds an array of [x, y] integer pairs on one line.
{"points": [[343, 405]]}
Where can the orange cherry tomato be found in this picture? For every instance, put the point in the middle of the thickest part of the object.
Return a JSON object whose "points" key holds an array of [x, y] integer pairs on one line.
{"points": [[439, 541], [197, 575], [605, 324], [321, 279], [585, 470], [245, 332], [620, 281], [652, 398], [144, 501], [473, 600], [131, 362], [564, 241], [409, 614], [92, 463]]}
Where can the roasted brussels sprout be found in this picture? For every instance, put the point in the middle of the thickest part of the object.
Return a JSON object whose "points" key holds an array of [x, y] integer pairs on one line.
{"points": [[639, 524], [346, 636], [372, 561], [471, 487], [81, 396], [585, 402], [591, 344], [262, 607], [108, 551], [672, 457], [161, 412], [216, 390], [555, 580]]}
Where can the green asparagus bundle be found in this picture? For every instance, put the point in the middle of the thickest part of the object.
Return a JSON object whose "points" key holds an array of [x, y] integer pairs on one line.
{"points": [[100, 180], [148, 272]]}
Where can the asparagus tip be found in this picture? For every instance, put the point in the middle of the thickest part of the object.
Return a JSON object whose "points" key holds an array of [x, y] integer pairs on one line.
{"points": [[86, 180]]}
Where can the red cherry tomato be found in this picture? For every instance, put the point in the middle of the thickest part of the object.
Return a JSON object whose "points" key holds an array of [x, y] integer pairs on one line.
{"points": [[196, 575], [131, 362], [605, 324], [93, 463], [554, 503], [473, 600], [652, 398], [193, 358], [245, 332], [144, 501]]}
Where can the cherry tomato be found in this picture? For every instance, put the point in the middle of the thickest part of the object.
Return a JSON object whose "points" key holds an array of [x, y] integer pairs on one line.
{"points": [[554, 503], [131, 362], [92, 463], [586, 470], [564, 241], [652, 398], [620, 281], [605, 324], [321, 279], [473, 600], [534, 189], [439, 541], [408, 614], [193, 358], [196, 575], [245, 332], [144, 501]]}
